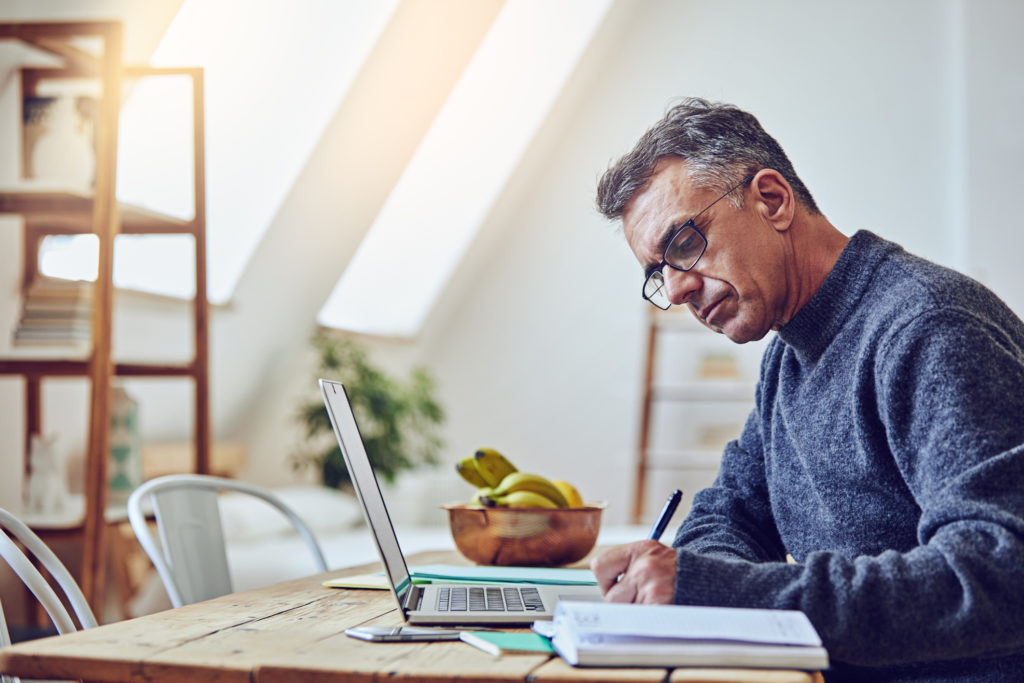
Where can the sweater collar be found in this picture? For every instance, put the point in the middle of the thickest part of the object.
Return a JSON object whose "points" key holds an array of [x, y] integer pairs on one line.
{"points": [[815, 325]]}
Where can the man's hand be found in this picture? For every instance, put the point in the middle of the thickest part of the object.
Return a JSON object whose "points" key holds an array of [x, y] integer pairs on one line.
{"points": [[644, 571]]}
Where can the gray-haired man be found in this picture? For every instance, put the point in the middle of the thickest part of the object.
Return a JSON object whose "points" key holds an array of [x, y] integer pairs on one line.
{"points": [[885, 452]]}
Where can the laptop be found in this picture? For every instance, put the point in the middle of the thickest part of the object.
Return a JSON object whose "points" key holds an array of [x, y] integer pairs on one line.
{"points": [[434, 603]]}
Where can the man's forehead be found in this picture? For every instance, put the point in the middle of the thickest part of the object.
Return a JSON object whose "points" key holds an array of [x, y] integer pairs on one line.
{"points": [[665, 198]]}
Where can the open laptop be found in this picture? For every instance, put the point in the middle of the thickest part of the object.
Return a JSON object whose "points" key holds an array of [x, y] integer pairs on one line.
{"points": [[434, 603]]}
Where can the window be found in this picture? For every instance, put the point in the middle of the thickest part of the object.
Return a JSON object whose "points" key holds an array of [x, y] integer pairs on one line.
{"points": [[274, 75], [461, 166]]}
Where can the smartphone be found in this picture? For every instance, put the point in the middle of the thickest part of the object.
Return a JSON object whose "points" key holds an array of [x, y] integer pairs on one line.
{"points": [[399, 634]]}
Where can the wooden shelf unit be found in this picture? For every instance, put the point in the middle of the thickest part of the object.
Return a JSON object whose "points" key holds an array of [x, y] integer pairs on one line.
{"points": [[52, 212], [726, 397]]}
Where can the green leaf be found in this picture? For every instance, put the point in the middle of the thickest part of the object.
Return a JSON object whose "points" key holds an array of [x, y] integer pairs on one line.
{"points": [[399, 420]]}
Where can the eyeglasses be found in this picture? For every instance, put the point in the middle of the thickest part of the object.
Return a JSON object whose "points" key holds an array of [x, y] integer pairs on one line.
{"points": [[684, 249]]}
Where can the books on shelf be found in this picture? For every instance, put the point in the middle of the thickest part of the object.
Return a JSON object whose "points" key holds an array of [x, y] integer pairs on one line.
{"points": [[609, 634], [55, 312]]}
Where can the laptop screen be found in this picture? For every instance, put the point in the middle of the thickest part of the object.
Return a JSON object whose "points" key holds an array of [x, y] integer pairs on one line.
{"points": [[367, 488]]}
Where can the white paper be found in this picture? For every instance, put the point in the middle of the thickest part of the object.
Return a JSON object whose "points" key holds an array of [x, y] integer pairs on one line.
{"points": [[779, 627], [604, 634]]}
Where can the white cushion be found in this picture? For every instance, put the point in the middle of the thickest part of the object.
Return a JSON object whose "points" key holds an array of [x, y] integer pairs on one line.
{"points": [[323, 509]]}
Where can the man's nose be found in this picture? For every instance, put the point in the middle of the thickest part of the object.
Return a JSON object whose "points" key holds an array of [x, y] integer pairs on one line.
{"points": [[680, 285]]}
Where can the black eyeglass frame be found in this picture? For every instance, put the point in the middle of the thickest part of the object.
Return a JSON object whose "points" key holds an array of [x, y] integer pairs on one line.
{"points": [[657, 273]]}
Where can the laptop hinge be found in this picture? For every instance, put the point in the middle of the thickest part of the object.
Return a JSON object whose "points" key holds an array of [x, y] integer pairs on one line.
{"points": [[413, 598]]}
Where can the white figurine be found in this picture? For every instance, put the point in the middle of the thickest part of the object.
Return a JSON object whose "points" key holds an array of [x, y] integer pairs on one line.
{"points": [[47, 491]]}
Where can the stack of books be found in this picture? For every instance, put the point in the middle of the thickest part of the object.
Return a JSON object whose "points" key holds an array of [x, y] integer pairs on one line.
{"points": [[55, 312]]}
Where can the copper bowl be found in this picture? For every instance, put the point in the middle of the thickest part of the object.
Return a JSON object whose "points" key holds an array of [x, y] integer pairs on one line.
{"points": [[526, 537]]}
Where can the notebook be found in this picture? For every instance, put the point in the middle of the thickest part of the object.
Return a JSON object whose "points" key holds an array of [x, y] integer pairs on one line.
{"points": [[500, 643], [447, 573], [434, 603], [608, 634]]}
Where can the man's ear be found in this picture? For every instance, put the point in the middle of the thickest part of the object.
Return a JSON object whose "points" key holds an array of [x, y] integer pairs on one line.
{"points": [[773, 198]]}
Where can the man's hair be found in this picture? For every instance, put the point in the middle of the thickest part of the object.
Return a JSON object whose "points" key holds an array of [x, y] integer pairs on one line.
{"points": [[720, 143]]}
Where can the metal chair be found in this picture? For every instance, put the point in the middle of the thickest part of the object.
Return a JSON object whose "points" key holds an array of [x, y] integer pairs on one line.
{"points": [[191, 557], [16, 530]]}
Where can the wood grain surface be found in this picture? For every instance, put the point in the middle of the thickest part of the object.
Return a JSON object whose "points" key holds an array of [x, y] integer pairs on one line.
{"points": [[292, 632]]}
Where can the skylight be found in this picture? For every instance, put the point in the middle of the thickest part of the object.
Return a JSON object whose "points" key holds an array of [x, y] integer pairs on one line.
{"points": [[463, 162], [274, 76]]}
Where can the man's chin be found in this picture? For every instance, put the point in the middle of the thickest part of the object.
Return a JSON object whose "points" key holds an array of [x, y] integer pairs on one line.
{"points": [[737, 332], [732, 328]]}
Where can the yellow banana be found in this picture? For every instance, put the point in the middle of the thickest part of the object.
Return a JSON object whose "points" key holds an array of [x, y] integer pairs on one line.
{"points": [[525, 481], [468, 471], [492, 466], [572, 495], [521, 499], [481, 493]]}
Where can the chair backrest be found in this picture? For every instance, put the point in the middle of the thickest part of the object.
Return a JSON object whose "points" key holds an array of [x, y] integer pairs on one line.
{"points": [[191, 557], [16, 530]]}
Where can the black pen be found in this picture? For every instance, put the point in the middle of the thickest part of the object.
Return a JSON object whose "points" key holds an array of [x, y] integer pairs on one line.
{"points": [[666, 514]]}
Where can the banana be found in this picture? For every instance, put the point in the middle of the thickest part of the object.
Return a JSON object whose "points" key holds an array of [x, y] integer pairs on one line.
{"points": [[520, 499], [492, 466], [571, 493], [468, 471], [481, 493], [525, 481]]}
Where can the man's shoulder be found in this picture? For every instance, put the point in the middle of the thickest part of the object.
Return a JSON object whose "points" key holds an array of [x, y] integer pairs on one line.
{"points": [[911, 285], [896, 265], [912, 299]]}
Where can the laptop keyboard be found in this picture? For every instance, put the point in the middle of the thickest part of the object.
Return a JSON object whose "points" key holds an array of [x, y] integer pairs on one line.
{"points": [[489, 599]]}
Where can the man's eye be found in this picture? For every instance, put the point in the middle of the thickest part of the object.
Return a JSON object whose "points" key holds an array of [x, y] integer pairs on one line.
{"points": [[684, 244]]}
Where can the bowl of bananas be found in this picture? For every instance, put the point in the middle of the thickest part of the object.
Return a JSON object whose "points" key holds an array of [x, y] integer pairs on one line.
{"points": [[517, 518]]}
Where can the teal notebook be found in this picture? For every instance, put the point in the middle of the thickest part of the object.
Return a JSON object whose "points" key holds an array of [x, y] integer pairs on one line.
{"points": [[449, 573], [502, 643], [490, 574]]}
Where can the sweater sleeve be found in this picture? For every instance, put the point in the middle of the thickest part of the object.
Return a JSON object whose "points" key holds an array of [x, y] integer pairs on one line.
{"points": [[950, 390], [732, 518]]}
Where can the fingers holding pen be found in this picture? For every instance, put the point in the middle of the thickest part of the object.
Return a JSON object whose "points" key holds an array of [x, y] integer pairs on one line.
{"points": [[643, 572]]}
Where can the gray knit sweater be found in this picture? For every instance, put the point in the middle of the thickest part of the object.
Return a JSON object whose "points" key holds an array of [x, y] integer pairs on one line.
{"points": [[885, 453]]}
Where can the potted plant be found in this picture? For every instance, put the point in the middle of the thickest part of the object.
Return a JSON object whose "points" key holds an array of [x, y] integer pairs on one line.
{"points": [[399, 420]]}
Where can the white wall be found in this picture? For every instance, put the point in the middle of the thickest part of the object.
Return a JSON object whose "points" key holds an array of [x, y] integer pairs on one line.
{"points": [[993, 112]]}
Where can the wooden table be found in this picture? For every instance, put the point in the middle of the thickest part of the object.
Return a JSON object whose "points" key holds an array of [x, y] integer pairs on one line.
{"points": [[292, 631]]}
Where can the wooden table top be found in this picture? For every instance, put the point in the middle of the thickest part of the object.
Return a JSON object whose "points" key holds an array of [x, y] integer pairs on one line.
{"points": [[292, 631]]}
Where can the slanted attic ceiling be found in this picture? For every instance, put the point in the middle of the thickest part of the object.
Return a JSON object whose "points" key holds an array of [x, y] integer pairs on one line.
{"points": [[416, 78]]}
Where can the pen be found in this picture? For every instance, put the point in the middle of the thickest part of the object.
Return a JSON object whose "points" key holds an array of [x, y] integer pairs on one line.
{"points": [[666, 514], [663, 519]]}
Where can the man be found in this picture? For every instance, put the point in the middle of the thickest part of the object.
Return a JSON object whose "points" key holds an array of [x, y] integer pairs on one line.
{"points": [[885, 451]]}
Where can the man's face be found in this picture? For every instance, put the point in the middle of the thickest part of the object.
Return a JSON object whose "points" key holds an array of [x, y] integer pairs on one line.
{"points": [[738, 286]]}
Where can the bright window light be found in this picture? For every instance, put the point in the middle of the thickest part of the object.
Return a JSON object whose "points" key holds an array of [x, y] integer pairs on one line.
{"points": [[155, 263], [461, 165], [275, 74], [71, 257], [151, 263], [154, 156]]}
